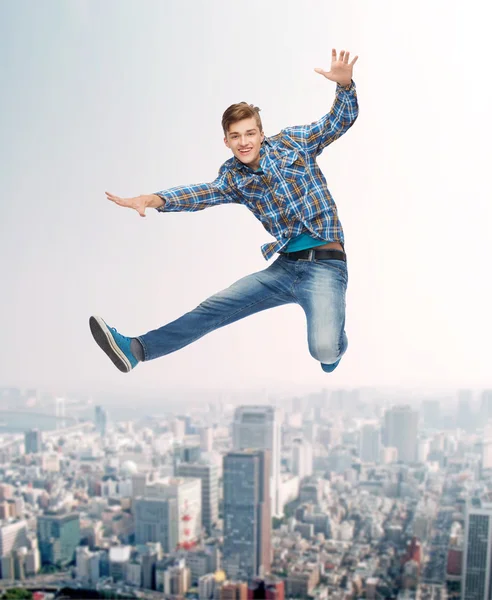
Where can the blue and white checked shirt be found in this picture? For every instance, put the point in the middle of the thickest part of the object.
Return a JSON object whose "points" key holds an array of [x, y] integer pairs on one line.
{"points": [[289, 194]]}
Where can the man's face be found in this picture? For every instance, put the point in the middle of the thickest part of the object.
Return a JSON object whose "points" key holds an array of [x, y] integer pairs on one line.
{"points": [[244, 139]]}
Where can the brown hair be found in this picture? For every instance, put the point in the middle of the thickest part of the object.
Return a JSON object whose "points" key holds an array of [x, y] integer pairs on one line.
{"points": [[238, 112]]}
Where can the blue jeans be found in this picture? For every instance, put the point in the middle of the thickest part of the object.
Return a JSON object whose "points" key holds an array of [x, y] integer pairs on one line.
{"points": [[318, 286]]}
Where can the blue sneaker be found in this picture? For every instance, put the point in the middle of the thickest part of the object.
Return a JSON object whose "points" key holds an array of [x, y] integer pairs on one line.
{"points": [[115, 345], [330, 368]]}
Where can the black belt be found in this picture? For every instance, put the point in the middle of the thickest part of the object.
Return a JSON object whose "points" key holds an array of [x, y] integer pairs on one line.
{"points": [[313, 254]]}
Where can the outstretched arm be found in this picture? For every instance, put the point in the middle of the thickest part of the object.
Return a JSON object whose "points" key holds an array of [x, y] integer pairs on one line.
{"points": [[182, 198], [316, 136]]}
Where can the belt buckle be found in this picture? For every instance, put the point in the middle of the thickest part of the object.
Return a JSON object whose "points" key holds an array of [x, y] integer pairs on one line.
{"points": [[310, 257]]}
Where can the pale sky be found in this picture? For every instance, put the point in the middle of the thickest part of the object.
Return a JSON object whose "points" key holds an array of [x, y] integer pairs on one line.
{"points": [[127, 96]]}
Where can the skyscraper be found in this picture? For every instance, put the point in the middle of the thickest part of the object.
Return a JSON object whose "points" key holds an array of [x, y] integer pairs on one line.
{"points": [[485, 448], [13, 536], [32, 441], [400, 432], [258, 427], [60, 412], [101, 419], [154, 522], [206, 439], [247, 517], [431, 413], [370, 444], [477, 557], [209, 476], [465, 418], [187, 453], [187, 492], [302, 458], [486, 405], [59, 536]]}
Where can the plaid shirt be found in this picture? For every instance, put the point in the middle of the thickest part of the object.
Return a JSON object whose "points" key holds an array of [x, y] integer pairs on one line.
{"points": [[289, 194]]}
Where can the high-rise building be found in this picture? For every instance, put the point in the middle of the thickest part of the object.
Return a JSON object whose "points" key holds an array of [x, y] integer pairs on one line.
{"points": [[32, 441], [6, 491], [60, 412], [400, 432], [140, 480], [155, 520], [178, 427], [134, 573], [486, 405], [203, 561], [7, 565], [247, 517], [209, 476], [179, 579], [59, 536], [431, 413], [101, 419], [206, 586], [187, 493], [119, 558], [149, 560], [82, 563], [187, 453], [477, 558], [485, 448], [423, 449], [206, 439], [465, 418], [302, 458], [370, 444], [13, 536], [258, 427]]}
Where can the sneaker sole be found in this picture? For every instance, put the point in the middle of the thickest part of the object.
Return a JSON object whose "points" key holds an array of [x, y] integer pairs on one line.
{"points": [[105, 341]]}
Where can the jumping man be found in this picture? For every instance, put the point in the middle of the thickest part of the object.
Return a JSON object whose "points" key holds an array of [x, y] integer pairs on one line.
{"points": [[279, 180]]}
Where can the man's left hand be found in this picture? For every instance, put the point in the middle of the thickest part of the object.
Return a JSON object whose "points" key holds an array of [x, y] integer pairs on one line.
{"points": [[341, 69]]}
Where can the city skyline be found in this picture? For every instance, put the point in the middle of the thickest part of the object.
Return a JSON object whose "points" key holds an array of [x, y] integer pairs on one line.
{"points": [[168, 502]]}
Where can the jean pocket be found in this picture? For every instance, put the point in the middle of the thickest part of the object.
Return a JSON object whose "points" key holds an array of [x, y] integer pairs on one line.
{"points": [[336, 265]]}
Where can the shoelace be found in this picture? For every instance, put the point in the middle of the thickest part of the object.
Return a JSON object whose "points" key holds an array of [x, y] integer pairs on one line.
{"points": [[114, 330]]}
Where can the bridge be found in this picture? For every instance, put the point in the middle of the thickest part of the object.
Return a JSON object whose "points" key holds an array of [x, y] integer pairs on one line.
{"points": [[30, 413]]}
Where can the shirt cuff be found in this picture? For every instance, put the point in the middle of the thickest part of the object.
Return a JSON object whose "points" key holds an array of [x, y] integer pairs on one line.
{"points": [[347, 88], [163, 207]]}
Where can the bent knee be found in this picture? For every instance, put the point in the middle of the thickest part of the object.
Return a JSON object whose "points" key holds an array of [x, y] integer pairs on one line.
{"points": [[327, 353]]}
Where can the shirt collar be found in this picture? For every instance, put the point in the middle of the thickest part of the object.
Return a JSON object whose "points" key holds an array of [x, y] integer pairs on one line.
{"points": [[264, 150]]}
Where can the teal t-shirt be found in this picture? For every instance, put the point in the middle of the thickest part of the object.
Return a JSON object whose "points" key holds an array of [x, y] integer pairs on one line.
{"points": [[302, 242]]}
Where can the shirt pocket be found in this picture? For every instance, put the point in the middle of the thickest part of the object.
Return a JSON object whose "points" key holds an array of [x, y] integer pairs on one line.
{"points": [[294, 173], [249, 189], [294, 181]]}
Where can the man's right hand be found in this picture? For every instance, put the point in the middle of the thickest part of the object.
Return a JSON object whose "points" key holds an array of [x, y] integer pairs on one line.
{"points": [[138, 203]]}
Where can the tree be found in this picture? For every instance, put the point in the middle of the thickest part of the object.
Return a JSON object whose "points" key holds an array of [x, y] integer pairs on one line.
{"points": [[17, 594]]}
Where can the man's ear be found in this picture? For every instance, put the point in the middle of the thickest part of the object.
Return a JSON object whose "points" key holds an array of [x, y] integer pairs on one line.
{"points": [[226, 142]]}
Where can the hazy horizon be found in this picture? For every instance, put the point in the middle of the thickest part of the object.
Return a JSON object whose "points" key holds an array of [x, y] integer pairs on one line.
{"points": [[113, 96]]}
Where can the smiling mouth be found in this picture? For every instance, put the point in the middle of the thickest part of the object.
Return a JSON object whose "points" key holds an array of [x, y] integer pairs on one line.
{"points": [[245, 151]]}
